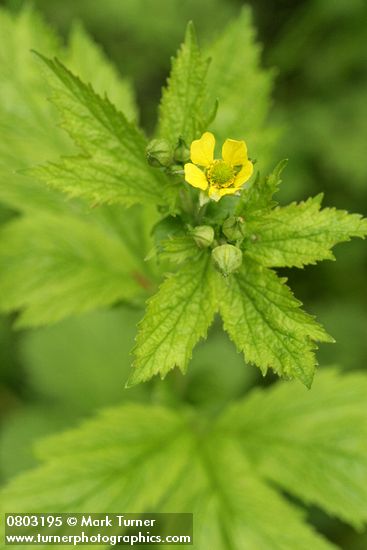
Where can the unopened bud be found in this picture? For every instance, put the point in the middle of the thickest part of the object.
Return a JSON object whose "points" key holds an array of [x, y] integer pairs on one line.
{"points": [[182, 152], [234, 228], [203, 235], [227, 259], [159, 153]]}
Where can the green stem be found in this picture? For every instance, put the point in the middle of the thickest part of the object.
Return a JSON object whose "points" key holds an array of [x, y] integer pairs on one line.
{"points": [[201, 212]]}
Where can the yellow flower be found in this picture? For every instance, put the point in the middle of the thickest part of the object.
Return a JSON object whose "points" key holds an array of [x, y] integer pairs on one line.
{"points": [[218, 177]]}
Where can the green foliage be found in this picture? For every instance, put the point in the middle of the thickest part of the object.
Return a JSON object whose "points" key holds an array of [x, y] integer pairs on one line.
{"points": [[74, 263], [65, 229], [79, 267], [259, 312], [242, 87], [233, 77], [232, 466], [28, 121], [263, 318], [65, 369], [176, 318], [311, 444], [182, 111], [179, 249], [141, 35], [226, 471], [112, 167], [300, 234], [82, 363]]}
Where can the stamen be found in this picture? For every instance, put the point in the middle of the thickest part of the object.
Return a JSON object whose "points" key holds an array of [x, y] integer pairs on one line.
{"points": [[220, 174]]}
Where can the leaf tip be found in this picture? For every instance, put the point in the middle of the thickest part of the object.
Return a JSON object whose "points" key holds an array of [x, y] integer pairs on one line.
{"points": [[132, 381], [190, 35]]}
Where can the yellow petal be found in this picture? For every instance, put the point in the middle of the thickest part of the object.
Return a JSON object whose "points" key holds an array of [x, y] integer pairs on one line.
{"points": [[216, 194], [202, 150], [234, 152], [244, 174], [195, 177]]}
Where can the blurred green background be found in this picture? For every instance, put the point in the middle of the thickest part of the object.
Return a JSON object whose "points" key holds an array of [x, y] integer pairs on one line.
{"points": [[49, 377]]}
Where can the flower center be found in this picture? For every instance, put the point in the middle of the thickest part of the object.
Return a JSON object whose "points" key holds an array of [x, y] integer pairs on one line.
{"points": [[220, 174]]}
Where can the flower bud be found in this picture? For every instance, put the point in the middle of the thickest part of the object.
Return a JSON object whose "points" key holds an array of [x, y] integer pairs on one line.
{"points": [[227, 259], [203, 235], [234, 228], [182, 152], [159, 153]]}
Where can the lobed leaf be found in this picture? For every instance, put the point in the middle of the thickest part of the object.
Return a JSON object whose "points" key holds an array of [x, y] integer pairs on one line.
{"points": [[311, 444], [226, 471], [28, 125], [28, 122], [230, 504], [112, 167], [300, 234], [265, 321], [176, 318], [182, 111]]}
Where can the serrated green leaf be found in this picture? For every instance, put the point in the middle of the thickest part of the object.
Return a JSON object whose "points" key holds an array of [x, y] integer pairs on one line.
{"points": [[310, 443], [242, 87], [28, 121], [88, 61], [300, 234], [55, 266], [176, 318], [182, 111], [232, 507], [112, 167], [265, 321], [30, 135]]}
